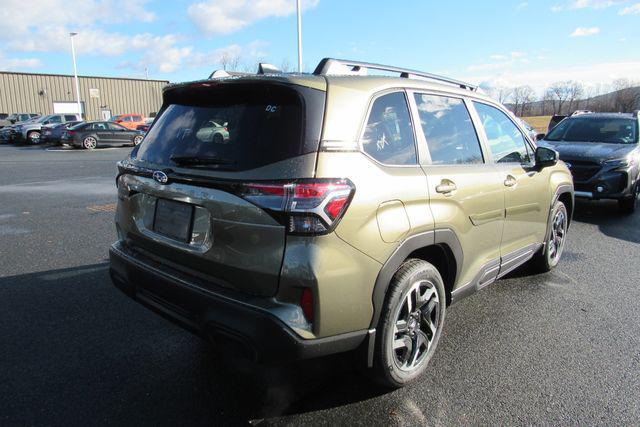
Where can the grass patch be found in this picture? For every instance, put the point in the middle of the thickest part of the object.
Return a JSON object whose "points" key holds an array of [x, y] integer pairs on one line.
{"points": [[539, 123]]}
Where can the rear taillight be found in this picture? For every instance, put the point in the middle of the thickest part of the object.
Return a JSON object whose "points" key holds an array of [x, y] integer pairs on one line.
{"points": [[71, 132], [306, 303], [304, 206]]}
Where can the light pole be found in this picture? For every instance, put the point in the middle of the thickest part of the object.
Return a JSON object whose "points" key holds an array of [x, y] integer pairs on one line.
{"points": [[75, 73], [299, 13]]}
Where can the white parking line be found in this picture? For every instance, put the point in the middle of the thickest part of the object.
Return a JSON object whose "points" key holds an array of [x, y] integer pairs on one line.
{"points": [[73, 150]]}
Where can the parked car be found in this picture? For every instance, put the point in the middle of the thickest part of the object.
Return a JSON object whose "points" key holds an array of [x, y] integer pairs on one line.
{"points": [[16, 118], [603, 152], [342, 213], [555, 119], [52, 133], [3, 116], [90, 135], [130, 121], [8, 133], [144, 127], [214, 131], [30, 131]]}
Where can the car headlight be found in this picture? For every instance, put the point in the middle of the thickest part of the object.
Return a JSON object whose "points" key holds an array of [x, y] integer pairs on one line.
{"points": [[622, 163]]}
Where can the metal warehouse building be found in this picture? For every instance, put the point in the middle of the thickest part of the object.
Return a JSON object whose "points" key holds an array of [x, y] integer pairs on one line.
{"points": [[101, 97]]}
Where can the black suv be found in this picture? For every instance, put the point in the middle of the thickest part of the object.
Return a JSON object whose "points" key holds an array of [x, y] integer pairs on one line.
{"points": [[602, 151]]}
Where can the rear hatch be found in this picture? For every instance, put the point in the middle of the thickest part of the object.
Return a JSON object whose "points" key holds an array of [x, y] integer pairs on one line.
{"points": [[184, 194]]}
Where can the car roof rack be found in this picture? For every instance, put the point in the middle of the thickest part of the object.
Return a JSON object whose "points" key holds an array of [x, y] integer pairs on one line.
{"points": [[218, 74], [327, 66]]}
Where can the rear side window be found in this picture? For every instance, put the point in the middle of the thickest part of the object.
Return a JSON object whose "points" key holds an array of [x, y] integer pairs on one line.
{"points": [[446, 123], [54, 119], [388, 135], [69, 118], [136, 118], [237, 126], [506, 142]]}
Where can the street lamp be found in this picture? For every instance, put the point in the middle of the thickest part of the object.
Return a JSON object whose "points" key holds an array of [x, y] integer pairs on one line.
{"points": [[299, 13], [75, 73]]}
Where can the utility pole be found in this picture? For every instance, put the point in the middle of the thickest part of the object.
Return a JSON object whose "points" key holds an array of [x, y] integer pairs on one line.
{"points": [[299, 13], [75, 73]]}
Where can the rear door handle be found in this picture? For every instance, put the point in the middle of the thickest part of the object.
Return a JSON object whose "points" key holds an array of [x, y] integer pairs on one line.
{"points": [[446, 187], [510, 181]]}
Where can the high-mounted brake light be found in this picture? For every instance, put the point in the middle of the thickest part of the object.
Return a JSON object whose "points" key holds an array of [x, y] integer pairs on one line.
{"points": [[304, 206]]}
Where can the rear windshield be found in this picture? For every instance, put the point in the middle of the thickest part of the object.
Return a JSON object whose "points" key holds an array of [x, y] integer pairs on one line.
{"points": [[234, 126], [616, 130]]}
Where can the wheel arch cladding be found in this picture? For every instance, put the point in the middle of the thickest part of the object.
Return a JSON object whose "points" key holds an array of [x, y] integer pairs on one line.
{"points": [[438, 247], [568, 202]]}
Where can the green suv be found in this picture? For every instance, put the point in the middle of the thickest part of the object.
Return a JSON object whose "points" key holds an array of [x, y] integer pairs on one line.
{"points": [[340, 211]]}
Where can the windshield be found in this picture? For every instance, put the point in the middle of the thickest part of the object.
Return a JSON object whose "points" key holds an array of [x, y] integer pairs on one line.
{"points": [[235, 126], [614, 130]]}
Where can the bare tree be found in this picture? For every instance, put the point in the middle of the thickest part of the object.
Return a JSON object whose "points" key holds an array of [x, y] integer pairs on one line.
{"points": [[229, 61], [575, 93], [286, 66], [522, 97], [559, 93], [626, 96]]}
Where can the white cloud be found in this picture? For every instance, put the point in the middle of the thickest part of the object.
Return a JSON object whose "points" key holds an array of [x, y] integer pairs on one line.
{"points": [[585, 32], [522, 5], [501, 61], [584, 4], [631, 10], [227, 16], [246, 54], [18, 63], [540, 78]]}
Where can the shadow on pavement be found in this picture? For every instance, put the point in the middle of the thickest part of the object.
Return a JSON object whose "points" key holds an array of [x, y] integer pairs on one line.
{"points": [[75, 350], [607, 217]]}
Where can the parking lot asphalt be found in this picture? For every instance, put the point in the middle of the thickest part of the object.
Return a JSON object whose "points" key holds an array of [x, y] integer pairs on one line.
{"points": [[558, 348]]}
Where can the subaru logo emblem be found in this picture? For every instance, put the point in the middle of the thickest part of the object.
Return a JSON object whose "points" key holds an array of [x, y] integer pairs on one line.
{"points": [[161, 177]]}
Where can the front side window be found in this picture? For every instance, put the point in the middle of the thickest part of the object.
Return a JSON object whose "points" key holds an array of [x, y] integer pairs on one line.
{"points": [[448, 129], [506, 142], [388, 135], [54, 119], [69, 118]]}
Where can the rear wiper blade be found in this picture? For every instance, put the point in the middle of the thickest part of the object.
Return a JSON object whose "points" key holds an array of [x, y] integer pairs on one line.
{"points": [[201, 160]]}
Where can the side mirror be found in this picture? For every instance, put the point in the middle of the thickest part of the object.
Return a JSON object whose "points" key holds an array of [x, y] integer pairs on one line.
{"points": [[540, 136], [546, 157]]}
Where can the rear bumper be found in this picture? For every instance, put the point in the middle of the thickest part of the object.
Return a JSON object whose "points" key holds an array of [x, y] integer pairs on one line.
{"points": [[236, 324]]}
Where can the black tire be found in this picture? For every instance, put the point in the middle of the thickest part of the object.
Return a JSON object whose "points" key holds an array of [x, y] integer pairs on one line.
{"points": [[547, 257], [387, 370], [33, 137], [218, 138], [629, 206]]}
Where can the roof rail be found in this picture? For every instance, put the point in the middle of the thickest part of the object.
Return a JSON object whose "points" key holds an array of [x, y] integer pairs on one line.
{"points": [[327, 67], [264, 68], [218, 74]]}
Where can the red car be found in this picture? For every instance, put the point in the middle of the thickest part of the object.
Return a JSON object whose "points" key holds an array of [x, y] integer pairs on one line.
{"points": [[130, 121]]}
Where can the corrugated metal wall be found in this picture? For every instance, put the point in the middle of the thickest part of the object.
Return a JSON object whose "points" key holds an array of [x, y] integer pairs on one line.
{"points": [[36, 93]]}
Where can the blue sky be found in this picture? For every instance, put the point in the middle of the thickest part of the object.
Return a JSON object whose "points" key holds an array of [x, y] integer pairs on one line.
{"points": [[495, 42]]}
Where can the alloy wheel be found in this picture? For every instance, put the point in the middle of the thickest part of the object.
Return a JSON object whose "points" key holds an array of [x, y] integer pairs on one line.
{"points": [[416, 324], [90, 143], [557, 237]]}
